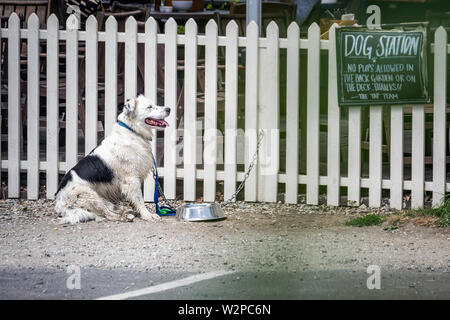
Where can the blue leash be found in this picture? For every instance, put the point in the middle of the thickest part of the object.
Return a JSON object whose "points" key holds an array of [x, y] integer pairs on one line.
{"points": [[162, 211]]}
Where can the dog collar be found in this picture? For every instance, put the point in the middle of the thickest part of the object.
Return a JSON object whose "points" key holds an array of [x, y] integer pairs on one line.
{"points": [[120, 123], [125, 126]]}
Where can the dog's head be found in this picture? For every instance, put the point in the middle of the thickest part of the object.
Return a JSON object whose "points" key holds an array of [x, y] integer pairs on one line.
{"points": [[143, 115]]}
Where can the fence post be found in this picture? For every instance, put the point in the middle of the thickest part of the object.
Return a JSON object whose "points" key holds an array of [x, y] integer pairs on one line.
{"points": [[375, 155], [418, 154], [170, 100], [130, 58], [231, 108], [396, 161], [52, 106], [354, 156], [1, 74], [210, 136], [334, 119], [190, 111], [14, 107], [439, 116], [151, 87], [110, 74], [33, 107], [292, 112], [313, 115], [251, 107], [268, 117], [71, 94], [91, 84]]}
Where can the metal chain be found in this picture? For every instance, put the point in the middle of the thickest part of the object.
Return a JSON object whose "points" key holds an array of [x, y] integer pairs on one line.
{"points": [[239, 188], [247, 173]]}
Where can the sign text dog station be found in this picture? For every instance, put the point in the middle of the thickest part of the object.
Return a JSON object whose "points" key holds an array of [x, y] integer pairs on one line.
{"points": [[381, 66]]}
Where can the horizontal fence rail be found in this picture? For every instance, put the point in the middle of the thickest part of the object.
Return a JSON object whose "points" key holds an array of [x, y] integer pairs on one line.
{"points": [[258, 72]]}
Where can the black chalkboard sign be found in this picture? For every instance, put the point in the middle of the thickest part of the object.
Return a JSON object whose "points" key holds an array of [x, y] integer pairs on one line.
{"points": [[377, 67]]}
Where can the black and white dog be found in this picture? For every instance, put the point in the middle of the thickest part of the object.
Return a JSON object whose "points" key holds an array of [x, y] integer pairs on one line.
{"points": [[115, 170]]}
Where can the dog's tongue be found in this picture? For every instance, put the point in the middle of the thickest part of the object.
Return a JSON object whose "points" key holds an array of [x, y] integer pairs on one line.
{"points": [[157, 122], [164, 122]]}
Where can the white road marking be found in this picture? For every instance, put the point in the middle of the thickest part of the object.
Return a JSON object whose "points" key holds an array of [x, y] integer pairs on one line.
{"points": [[167, 286]]}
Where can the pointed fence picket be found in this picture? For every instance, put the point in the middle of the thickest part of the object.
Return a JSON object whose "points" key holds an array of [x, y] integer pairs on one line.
{"points": [[251, 107], [396, 160], [231, 109], [210, 125], [190, 111], [33, 83], [334, 116], [268, 118], [440, 116], [1, 129], [375, 155], [52, 106], [130, 58], [91, 84], [14, 106], [262, 111], [151, 91], [170, 100], [110, 74], [418, 154], [354, 156], [292, 121], [71, 94], [313, 116]]}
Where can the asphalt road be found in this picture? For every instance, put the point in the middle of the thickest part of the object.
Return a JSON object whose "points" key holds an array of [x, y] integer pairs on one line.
{"points": [[267, 251], [94, 284]]}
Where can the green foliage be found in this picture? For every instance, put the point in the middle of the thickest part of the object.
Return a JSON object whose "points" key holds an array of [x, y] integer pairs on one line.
{"points": [[368, 220], [442, 212]]}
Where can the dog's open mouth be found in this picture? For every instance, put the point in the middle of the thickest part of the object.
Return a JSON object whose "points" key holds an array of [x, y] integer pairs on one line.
{"points": [[156, 122]]}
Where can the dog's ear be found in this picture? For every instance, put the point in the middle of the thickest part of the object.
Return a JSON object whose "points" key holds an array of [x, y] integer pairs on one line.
{"points": [[130, 106]]}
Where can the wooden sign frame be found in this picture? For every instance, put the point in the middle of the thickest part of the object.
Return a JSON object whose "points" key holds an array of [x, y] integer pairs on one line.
{"points": [[365, 81]]}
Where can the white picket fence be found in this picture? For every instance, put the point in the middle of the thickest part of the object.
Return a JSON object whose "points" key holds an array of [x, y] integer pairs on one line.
{"points": [[262, 111]]}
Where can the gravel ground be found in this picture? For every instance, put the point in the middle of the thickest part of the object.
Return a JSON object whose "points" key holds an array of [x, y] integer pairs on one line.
{"points": [[254, 238]]}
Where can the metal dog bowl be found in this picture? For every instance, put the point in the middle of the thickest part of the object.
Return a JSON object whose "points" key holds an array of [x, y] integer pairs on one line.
{"points": [[200, 212]]}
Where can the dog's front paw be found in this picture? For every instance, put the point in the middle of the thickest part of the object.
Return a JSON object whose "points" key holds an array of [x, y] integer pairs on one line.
{"points": [[147, 216], [128, 215]]}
